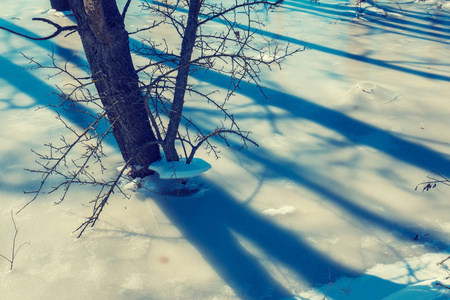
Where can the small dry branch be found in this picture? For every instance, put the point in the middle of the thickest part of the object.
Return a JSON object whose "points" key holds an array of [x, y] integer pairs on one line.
{"points": [[443, 261], [443, 285], [332, 282], [102, 198], [433, 182], [14, 249]]}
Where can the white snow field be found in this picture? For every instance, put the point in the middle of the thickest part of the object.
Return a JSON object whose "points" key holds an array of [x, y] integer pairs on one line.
{"points": [[325, 208]]}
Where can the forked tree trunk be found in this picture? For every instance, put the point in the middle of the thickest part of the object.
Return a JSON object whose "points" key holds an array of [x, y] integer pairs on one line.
{"points": [[187, 46], [106, 44]]}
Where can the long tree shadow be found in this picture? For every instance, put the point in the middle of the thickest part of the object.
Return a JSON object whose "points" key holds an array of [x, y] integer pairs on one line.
{"points": [[334, 192], [215, 223], [26, 83], [413, 24], [403, 150], [356, 131], [42, 93], [335, 10]]}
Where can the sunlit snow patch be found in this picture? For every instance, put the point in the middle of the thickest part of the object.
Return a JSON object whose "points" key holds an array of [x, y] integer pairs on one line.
{"points": [[59, 14], [179, 169], [132, 185], [280, 211]]}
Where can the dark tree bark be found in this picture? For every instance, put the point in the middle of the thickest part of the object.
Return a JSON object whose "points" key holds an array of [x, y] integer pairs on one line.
{"points": [[106, 44], [187, 46], [60, 5]]}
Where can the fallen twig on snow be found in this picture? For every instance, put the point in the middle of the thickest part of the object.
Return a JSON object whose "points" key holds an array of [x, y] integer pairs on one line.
{"points": [[13, 250]]}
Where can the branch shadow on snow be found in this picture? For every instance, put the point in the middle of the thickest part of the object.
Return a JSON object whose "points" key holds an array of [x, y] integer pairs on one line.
{"points": [[214, 225], [36, 88], [40, 94], [209, 226], [406, 27], [411, 26], [326, 188], [207, 222], [357, 133]]}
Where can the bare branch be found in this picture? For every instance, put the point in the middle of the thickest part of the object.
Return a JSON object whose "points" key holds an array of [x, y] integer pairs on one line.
{"points": [[102, 199], [433, 182], [59, 29], [443, 285], [53, 169], [220, 133], [237, 6], [236, 51], [125, 9], [443, 261]]}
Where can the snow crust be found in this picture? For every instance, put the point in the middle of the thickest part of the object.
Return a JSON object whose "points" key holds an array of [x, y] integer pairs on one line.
{"points": [[280, 211], [179, 169]]}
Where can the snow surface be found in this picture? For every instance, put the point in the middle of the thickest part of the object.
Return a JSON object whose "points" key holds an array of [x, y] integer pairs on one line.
{"points": [[352, 125], [179, 169], [279, 211]]}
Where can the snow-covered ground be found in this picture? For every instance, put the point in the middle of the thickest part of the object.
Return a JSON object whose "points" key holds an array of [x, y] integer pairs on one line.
{"points": [[325, 207]]}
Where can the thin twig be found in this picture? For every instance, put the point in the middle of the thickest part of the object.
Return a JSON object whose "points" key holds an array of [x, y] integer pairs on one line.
{"points": [[443, 261], [13, 249], [443, 285]]}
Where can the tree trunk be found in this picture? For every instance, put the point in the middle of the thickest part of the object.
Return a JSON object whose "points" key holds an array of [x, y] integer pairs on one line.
{"points": [[187, 46], [60, 5], [106, 44]]}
